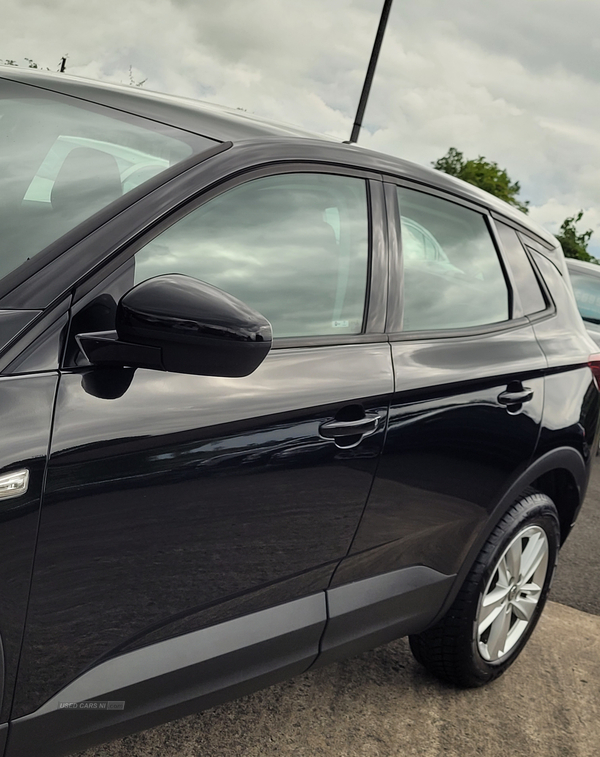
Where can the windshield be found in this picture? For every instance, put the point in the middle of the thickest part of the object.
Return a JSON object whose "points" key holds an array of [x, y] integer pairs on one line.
{"points": [[62, 160]]}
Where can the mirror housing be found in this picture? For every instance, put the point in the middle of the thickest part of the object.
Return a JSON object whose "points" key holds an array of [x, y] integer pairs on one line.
{"points": [[179, 324]]}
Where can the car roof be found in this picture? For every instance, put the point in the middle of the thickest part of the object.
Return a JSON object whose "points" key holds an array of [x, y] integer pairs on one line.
{"points": [[208, 119], [226, 124]]}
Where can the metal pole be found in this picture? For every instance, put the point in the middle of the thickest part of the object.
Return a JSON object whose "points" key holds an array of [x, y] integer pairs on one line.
{"points": [[364, 96]]}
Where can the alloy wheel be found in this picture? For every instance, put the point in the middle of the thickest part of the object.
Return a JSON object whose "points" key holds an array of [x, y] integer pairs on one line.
{"points": [[512, 594]]}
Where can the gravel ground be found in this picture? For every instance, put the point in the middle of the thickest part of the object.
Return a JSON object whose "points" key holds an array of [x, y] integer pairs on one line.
{"points": [[382, 704]]}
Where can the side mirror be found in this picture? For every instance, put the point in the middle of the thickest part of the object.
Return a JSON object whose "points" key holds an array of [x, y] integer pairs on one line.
{"points": [[179, 324]]}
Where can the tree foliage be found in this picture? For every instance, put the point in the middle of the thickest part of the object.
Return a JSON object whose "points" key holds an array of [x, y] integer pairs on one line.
{"points": [[575, 245], [484, 174]]}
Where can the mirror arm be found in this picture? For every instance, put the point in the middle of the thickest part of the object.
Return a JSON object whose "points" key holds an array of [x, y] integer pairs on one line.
{"points": [[105, 348]]}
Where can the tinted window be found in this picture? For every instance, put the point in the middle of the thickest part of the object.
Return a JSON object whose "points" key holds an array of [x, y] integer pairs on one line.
{"points": [[61, 162], [294, 247], [587, 294], [452, 274], [531, 296]]}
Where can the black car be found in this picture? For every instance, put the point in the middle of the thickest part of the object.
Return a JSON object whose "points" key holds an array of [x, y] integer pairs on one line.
{"points": [[267, 401]]}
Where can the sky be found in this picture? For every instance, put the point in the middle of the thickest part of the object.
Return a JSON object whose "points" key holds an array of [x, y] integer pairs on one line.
{"points": [[516, 81]]}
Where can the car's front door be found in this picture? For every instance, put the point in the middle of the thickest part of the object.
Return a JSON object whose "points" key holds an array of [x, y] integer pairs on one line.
{"points": [[176, 502]]}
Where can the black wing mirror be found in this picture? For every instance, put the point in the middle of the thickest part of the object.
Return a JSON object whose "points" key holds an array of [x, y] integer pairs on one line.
{"points": [[177, 323]]}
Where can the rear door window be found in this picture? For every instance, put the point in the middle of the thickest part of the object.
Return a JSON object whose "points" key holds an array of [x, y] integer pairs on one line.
{"points": [[452, 273]]}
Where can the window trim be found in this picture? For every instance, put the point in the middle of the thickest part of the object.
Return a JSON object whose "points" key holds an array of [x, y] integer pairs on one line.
{"points": [[524, 230], [372, 329], [474, 331], [429, 189]]}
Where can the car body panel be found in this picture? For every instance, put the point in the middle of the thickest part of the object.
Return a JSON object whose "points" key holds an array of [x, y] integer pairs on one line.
{"points": [[195, 670], [569, 414], [372, 611], [173, 678], [450, 449], [26, 404], [593, 330], [224, 480], [201, 537]]}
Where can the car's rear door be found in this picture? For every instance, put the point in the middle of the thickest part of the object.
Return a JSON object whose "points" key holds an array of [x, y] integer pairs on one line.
{"points": [[179, 503], [465, 415]]}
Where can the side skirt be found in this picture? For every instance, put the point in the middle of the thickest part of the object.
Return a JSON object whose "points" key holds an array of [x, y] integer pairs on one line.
{"points": [[367, 613], [195, 671], [173, 678]]}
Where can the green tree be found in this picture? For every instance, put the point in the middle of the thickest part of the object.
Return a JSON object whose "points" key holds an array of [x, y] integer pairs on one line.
{"points": [[484, 174], [575, 245]]}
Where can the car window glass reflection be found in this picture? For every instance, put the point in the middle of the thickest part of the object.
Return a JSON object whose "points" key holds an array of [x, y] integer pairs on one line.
{"points": [[294, 247], [452, 274], [60, 163]]}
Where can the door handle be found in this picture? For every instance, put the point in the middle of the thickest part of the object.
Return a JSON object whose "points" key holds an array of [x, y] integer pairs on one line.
{"points": [[517, 397], [362, 427]]}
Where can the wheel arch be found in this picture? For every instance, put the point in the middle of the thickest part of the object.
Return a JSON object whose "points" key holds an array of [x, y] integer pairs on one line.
{"points": [[561, 486], [561, 474]]}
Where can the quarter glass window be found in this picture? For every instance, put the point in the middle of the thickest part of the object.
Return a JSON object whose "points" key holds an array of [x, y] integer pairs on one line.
{"points": [[532, 298]]}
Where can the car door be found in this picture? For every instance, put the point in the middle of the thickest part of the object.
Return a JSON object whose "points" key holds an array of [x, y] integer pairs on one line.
{"points": [[177, 503], [26, 406], [467, 405]]}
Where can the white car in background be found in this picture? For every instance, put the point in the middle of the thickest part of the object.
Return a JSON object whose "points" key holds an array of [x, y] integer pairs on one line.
{"points": [[585, 278]]}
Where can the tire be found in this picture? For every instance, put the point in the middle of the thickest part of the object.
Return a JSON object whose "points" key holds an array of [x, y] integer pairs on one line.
{"points": [[465, 647]]}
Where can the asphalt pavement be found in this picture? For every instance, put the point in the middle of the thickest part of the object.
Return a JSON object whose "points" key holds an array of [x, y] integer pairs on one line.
{"points": [[577, 579], [383, 704]]}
